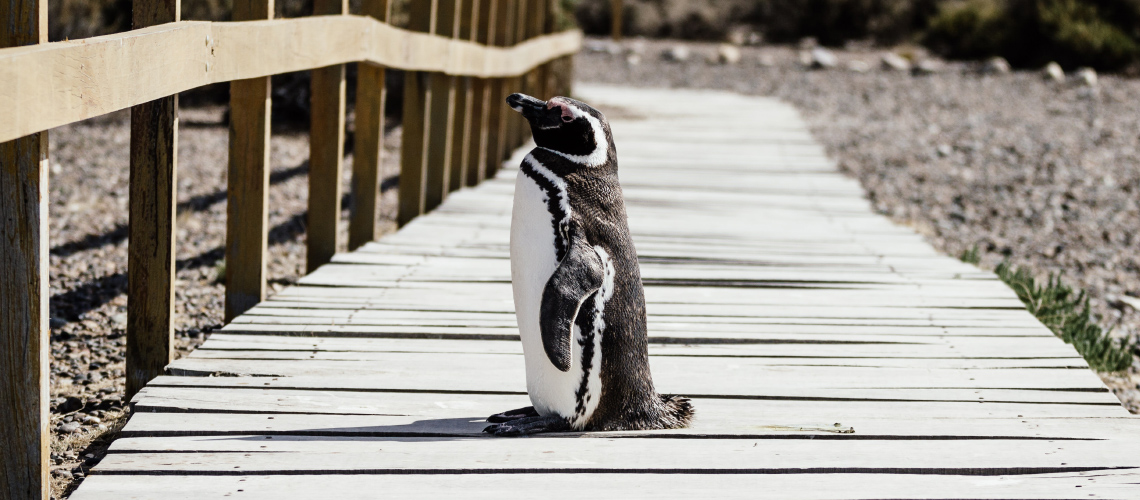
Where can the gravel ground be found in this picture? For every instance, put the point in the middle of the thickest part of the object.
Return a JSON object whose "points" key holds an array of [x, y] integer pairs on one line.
{"points": [[1043, 173], [89, 181]]}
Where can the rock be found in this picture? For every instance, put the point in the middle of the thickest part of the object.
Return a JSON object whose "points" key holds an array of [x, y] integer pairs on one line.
{"points": [[927, 67], [858, 66], [633, 59], [767, 60], [1087, 77], [895, 62], [996, 66], [1053, 72], [64, 473], [69, 427], [91, 420], [679, 53], [119, 321], [68, 405], [727, 54], [823, 58]]}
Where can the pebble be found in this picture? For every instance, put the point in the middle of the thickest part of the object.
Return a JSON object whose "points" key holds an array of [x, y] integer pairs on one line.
{"points": [[996, 65], [823, 58], [928, 66], [1053, 72], [727, 54], [1087, 77], [678, 53], [90, 420], [895, 62], [69, 427], [858, 66]]}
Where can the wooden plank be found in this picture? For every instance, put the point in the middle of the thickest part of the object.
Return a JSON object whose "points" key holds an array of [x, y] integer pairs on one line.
{"points": [[371, 99], [498, 149], [616, 11], [254, 454], [247, 191], [218, 412], [153, 208], [441, 122], [68, 81], [802, 485], [435, 411], [326, 153], [24, 291]]}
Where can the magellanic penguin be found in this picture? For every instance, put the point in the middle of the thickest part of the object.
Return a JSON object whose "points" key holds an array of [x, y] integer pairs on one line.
{"points": [[577, 287]]}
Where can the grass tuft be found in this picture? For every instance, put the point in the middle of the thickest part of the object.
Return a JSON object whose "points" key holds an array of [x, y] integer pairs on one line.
{"points": [[971, 256], [1066, 312]]}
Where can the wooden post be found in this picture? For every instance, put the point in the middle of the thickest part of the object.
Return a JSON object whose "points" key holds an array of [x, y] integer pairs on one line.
{"points": [[501, 115], [481, 97], [369, 144], [495, 106], [442, 114], [416, 123], [247, 192], [24, 287], [153, 204], [616, 6], [326, 153], [465, 28], [515, 121]]}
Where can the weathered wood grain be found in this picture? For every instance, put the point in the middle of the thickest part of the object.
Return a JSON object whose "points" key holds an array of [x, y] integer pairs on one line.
{"points": [[24, 288], [247, 191], [804, 485], [441, 122], [371, 99], [64, 82], [153, 208]]}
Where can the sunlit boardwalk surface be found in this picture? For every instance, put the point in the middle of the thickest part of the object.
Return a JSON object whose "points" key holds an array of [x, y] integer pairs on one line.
{"points": [[830, 354]]}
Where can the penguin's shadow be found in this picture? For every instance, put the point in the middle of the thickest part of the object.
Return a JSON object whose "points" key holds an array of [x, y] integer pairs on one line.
{"points": [[433, 429]]}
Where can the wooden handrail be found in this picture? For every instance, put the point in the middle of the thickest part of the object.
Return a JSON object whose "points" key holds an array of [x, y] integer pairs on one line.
{"points": [[48, 85]]}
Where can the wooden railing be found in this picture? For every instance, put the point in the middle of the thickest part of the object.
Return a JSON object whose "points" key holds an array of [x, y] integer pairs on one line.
{"points": [[462, 58]]}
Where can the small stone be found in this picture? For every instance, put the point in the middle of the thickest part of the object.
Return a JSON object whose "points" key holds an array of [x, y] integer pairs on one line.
{"points": [[633, 59], [91, 420], [679, 53], [895, 62], [1053, 72], [996, 66], [62, 473], [69, 427], [727, 54], [69, 404], [823, 58], [927, 67], [767, 60], [119, 321], [858, 66], [944, 150], [1087, 77]]}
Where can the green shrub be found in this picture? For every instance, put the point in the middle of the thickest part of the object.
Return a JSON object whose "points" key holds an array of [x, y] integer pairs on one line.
{"points": [[969, 29], [1030, 33], [1066, 312]]}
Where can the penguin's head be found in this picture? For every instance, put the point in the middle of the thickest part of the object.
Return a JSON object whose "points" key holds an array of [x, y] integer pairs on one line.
{"points": [[566, 126]]}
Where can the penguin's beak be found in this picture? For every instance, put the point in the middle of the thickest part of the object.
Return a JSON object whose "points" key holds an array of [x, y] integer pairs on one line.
{"points": [[535, 111]]}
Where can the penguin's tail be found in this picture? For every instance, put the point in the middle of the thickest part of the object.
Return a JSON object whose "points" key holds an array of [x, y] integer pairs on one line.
{"points": [[678, 411]]}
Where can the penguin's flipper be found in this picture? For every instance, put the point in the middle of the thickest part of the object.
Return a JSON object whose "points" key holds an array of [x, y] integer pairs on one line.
{"points": [[577, 277]]}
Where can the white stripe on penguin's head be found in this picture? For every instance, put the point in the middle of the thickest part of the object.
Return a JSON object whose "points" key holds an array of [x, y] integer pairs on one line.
{"points": [[572, 111]]}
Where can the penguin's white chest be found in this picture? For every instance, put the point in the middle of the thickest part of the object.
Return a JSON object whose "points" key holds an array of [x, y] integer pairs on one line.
{"points": [[534, 257]]}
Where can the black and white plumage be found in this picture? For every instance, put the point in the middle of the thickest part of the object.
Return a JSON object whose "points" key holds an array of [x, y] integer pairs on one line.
{"points": [[577, 286]]}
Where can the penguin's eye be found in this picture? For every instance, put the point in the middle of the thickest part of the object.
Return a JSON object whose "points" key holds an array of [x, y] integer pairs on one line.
{"points": [[567, 119]]}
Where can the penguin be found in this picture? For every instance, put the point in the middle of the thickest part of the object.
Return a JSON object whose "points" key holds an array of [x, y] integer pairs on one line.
{"points": [[578, 295]]}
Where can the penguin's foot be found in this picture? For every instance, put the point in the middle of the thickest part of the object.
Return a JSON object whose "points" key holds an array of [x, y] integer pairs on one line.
{"points": [[529, 425], [508, 416]]}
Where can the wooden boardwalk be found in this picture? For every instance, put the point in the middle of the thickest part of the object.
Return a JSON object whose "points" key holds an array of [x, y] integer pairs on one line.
{"points": [[830, 354]]}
